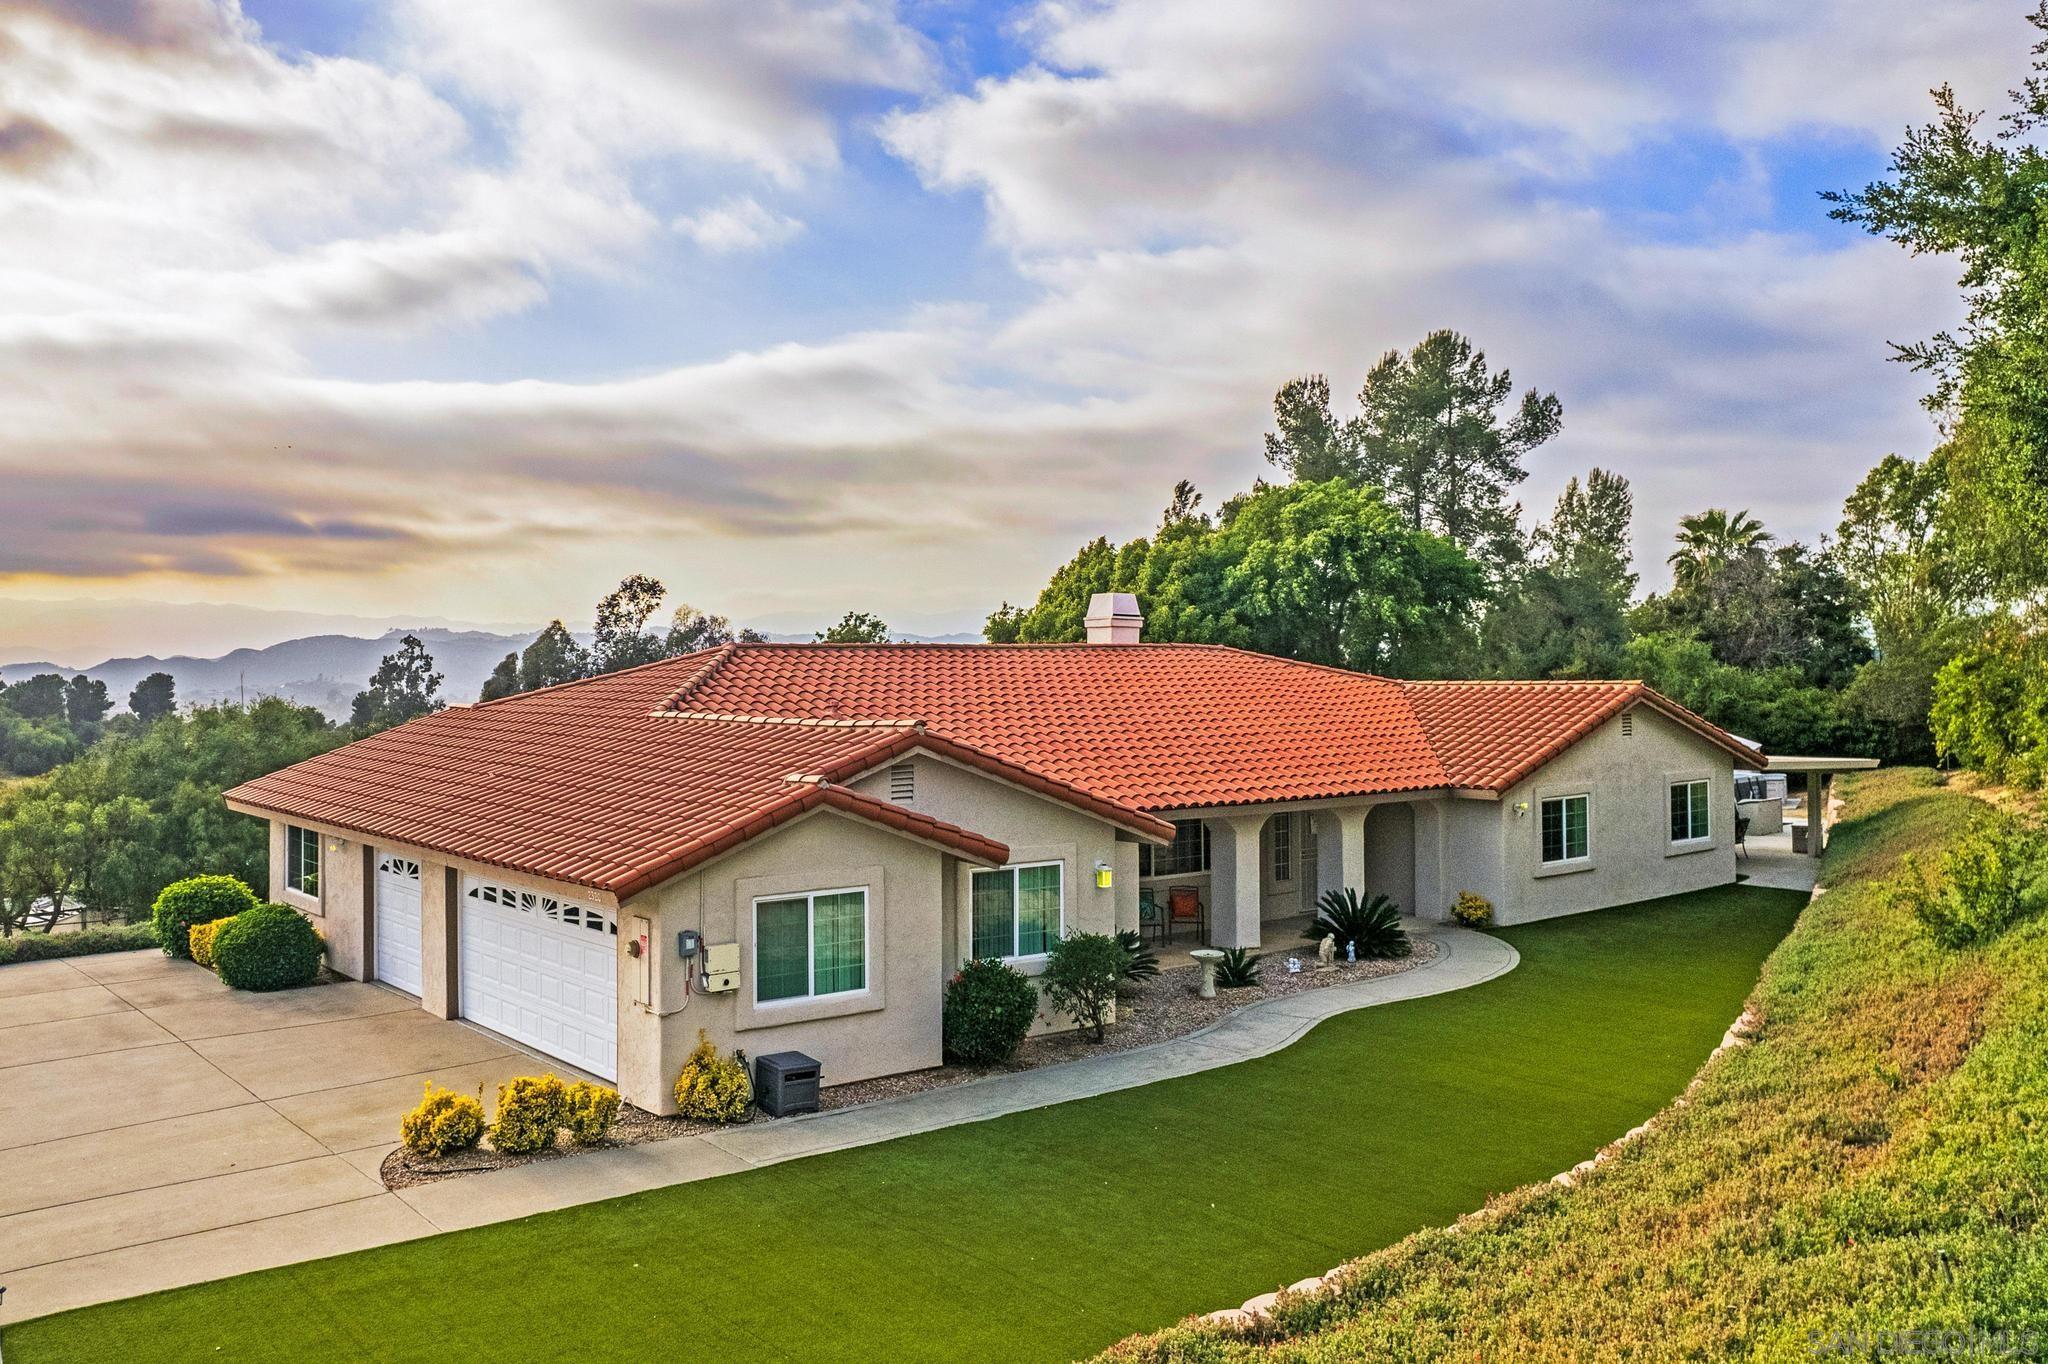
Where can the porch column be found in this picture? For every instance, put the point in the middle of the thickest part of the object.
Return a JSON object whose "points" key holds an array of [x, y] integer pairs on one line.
{"points": [[1234, 881], [1816, 813], [1340, 849]]}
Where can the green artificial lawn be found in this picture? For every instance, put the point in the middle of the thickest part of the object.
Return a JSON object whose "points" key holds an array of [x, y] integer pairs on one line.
{"points": [[1049, 1234]]}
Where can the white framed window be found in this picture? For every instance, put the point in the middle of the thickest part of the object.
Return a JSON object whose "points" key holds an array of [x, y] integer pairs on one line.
{"points": [[1689, 806], [1283, 848], [1017, 911], [1187, 854], [302, 860], [1566, 828], [810, 945]]}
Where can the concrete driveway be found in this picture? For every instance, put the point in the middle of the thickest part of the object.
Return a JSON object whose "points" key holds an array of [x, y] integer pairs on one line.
{"points": [[159, 1128]]}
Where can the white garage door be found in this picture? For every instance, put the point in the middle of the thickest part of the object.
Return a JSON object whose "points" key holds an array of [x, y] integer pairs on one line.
{"points": [[398, 922], [542, 971]]}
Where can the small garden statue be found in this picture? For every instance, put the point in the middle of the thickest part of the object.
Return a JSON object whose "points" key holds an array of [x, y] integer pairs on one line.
{"points": [[1326, 951]]}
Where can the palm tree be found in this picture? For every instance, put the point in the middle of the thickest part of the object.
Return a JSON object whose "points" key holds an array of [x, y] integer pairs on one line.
{"points": [[1709, 541]]}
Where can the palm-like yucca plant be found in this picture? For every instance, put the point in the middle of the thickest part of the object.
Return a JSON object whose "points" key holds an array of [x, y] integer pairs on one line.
{"points": [[1141, 963], [1238, 970], [1374, 925]]}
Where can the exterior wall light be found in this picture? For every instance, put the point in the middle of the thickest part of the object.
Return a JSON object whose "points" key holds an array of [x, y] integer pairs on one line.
{"points": [[1104, 877], [1521, 809]]}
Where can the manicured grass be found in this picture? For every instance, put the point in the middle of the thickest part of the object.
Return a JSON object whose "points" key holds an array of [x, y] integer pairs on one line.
{"points": [[1876, 1162], [1048, 1234]]}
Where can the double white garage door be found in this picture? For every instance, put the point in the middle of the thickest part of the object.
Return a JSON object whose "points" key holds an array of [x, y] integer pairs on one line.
{"points": [[538, 969]]}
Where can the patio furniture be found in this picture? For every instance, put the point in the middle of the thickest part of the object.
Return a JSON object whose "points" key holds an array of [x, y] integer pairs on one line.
{"points": [[1184, 906], [1151, 915], [1741, 835]]}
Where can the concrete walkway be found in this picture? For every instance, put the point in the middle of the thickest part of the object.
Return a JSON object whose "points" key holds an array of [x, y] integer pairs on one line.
{"points": [[1464, 958]]}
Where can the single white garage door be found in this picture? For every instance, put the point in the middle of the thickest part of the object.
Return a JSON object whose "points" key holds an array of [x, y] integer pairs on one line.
{"points": [[397, 934], [541, 971]]}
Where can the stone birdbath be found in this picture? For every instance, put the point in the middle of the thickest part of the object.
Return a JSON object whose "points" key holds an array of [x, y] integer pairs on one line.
{"points": [[1206, 958]]}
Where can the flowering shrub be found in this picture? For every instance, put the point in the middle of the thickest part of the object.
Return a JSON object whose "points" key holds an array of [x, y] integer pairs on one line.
{"points": [[989, 1008]]}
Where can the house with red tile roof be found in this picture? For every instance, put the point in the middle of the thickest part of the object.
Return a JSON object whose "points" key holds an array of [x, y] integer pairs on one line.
{"points": [[792, 846]]}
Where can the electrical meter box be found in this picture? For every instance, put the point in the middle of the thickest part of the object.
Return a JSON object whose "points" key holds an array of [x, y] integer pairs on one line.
{"points": [[721, 967]]}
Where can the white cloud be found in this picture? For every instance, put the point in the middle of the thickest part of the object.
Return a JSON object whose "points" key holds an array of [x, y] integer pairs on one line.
{"points": [[738, 224]]}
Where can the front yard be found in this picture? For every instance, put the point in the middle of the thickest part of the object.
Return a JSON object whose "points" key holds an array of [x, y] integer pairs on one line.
{"points": [[1047, 1234]]}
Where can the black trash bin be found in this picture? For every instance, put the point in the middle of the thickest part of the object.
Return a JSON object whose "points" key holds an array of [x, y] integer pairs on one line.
{"points": [[786, 1082]]}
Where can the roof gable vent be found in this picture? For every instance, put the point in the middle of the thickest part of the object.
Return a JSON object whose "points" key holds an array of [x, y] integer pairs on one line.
{"points": [[1628, 724], [903, 782]]}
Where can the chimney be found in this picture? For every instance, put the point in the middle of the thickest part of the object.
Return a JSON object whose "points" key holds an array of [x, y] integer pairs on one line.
{"points": [[1114, 618]]}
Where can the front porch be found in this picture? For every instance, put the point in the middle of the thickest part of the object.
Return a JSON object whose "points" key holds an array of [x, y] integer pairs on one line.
{"points": [[1252, 878]]}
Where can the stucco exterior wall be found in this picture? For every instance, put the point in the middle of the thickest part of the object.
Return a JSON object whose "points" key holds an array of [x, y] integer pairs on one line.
{"points": [[339, 911], [893, 1025], [1627, 770]]}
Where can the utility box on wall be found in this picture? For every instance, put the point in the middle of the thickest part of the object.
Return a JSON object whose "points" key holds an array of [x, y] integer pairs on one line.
{"points": [[721, 968]]}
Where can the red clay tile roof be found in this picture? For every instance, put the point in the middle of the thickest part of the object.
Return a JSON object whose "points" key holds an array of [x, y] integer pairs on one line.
{"points": [[622, 781]]}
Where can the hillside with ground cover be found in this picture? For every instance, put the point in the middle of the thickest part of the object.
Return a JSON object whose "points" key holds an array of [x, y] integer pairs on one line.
{"points": [[1877, 1160]]}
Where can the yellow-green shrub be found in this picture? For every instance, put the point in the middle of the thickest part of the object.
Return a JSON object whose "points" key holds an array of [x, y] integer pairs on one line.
{"points": [[713, 1088], [445, 1121], [588, 1111], [200, 936], [1473, 909], [530, 1108]]}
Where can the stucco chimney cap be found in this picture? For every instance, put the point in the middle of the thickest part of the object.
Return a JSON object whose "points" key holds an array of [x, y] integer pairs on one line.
{"points": [[1114, 618]]}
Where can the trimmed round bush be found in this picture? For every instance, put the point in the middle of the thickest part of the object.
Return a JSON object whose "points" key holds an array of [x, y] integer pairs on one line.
{"points": [[196, 900], [201, 938], [530, 1108], [713, 1088], [1473, 910], [589, 1111], [989, 1008], [445, 1121], [269, 947]]}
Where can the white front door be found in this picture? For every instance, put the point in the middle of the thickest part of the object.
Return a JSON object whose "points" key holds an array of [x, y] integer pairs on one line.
{"points": [[543, 971], [397, 934]]}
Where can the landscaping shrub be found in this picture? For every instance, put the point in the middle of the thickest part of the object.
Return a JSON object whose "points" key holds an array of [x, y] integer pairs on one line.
{"points": [[200, 937], [1373, 925], [530, 1108], [89, 942], [1143, 962], [1239, 969], [269, 947], [444, 1121], [1473, 910], [714, 1088], [1081, 976], [196, 900], [989, 1008], [588, 1111], [1982, 883]]}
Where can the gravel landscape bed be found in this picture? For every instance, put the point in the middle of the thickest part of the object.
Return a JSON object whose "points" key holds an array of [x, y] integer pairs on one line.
{"points": [[1157, 1010]]}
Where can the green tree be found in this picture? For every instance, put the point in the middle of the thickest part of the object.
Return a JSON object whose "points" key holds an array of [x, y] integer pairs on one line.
{"points": [[690, 630], [855, 627], [60, 840], [86, 703], [153, 697], [1990, 706], [1565, 614], [503, 681], [1710, 543], [37, 698], [404, 687], [1310, 443], [1954, 191], [1431, 431], [1587, 536], [623, 639], [553, 658]]}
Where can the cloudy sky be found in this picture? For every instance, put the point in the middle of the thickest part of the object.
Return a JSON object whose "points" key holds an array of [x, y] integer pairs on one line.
{"points": [[464, 308]]}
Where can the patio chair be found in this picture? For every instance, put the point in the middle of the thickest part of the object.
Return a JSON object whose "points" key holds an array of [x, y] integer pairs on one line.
{"points": [[1184, 906], [1741, 835], [1151, 915]]}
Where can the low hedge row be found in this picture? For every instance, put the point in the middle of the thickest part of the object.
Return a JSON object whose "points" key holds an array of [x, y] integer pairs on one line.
{"points": [[86, 943]]}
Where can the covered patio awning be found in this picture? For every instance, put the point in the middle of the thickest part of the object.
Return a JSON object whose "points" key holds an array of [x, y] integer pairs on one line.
{"points": [[1817, 770]]}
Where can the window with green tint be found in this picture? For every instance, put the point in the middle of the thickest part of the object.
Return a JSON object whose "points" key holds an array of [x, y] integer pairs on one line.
{"points": [[839, 953], [1688, 811], [1565, 820], [1016, 911], [782, 949]]}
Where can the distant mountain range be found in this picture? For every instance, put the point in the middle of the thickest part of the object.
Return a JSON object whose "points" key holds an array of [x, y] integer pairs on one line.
{"points": [[325, 670]]}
